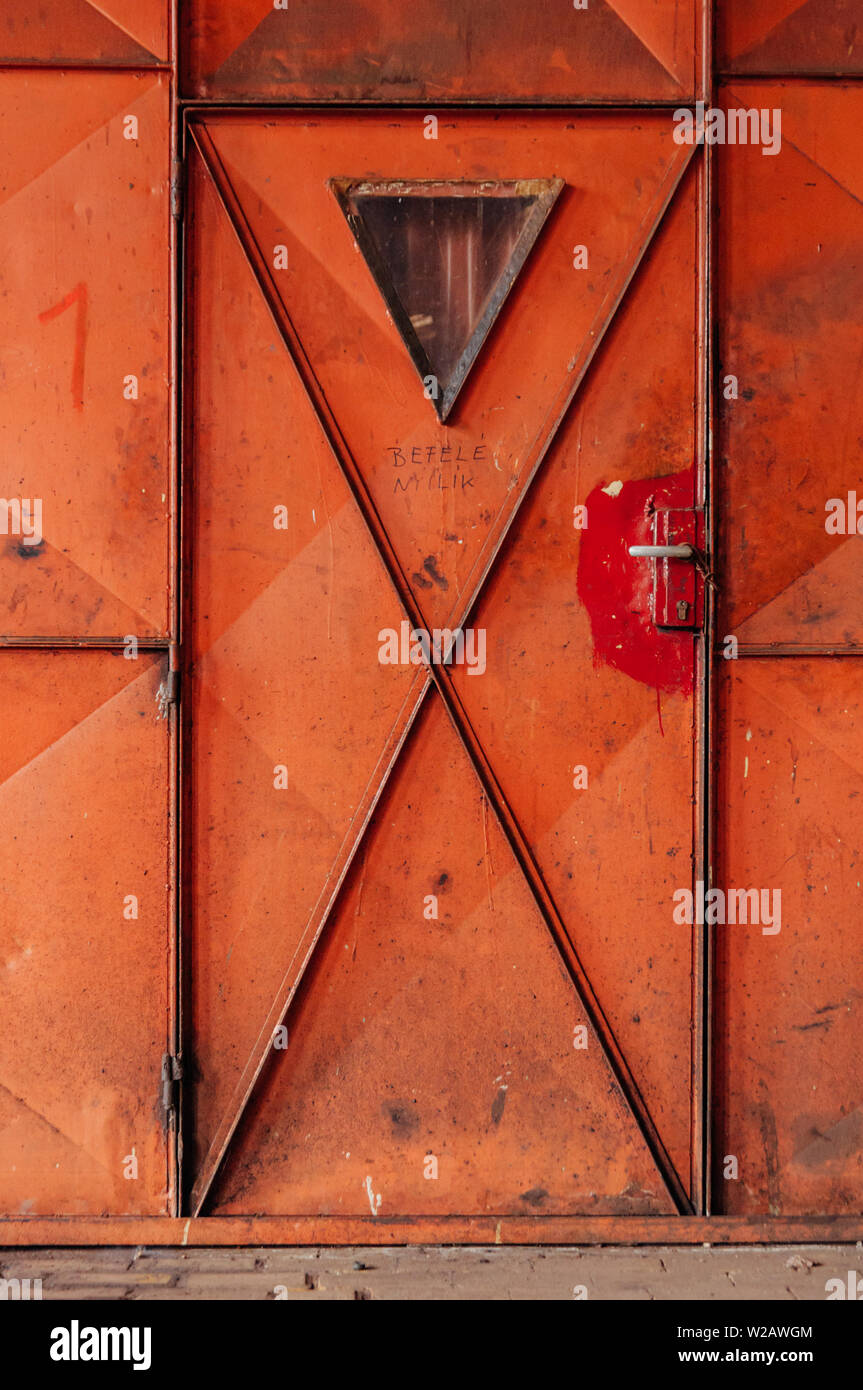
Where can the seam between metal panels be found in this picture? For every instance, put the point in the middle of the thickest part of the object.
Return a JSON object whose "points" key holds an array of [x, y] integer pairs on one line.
{"points": [[443, 682], [175, 552], [703, 828], [79, 66], [425, 103], [729, 74], [71, 644], [785, 649], [336, 1231]]}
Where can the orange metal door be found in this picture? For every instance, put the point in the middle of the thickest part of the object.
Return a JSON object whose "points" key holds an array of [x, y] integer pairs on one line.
{"points": [[433, 968], [86, 911]]}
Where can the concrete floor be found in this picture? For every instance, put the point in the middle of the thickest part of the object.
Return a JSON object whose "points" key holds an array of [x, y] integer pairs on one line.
{"points": [[721, 1274]]}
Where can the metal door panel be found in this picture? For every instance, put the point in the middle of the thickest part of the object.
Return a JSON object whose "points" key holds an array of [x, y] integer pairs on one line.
{"points": [[85, 278], [789, 36], [790, 277], [261, 608], [611, 50], [85, 984], [127, 33], [450, 1038], [788, 1016]]}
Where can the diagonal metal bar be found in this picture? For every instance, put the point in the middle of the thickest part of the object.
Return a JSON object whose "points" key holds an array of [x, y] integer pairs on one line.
{"points": [[441, 675]]}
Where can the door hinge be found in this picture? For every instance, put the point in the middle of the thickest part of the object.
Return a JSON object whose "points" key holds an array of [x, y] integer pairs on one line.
{"points": [[172, 1075], [168, 692], [178, 181]]}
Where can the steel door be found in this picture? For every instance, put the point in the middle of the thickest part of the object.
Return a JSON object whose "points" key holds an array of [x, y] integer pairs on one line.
{"points": [[433, 968]]}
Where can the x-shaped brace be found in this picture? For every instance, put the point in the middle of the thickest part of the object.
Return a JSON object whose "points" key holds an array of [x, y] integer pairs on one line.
{"points": [[437, 675]]}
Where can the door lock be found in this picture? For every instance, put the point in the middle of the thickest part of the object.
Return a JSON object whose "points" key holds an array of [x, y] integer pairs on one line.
{"points": [[678, 568]]}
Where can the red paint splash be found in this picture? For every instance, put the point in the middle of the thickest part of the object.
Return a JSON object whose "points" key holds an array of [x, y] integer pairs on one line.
{"points": [[615, 588]]}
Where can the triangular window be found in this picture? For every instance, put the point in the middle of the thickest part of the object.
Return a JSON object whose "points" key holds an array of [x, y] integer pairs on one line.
{"points": [[445, 256]]}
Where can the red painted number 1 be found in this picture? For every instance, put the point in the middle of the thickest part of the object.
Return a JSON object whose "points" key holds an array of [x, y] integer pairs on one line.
{"points": [[77, 296]]}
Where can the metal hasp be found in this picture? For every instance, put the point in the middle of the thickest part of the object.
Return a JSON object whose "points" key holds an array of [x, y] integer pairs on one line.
{"points": [[678, 576]]}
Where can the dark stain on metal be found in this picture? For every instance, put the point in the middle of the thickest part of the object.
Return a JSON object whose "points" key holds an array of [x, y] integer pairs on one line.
{"points": [[430, 567], [28, 550], [771, 1157], [498, 1106], [404, 1120], [534, 1197]]}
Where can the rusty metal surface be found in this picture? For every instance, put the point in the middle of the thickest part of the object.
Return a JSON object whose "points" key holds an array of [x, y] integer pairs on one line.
{"points": [[84, 923], [790, 275], [789, 36], [267, 633], [85, 278], [118, 33], [383, 50], [788, 1022]]}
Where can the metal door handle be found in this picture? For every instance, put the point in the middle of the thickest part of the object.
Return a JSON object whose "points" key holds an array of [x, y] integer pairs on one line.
{"points": [[664, 552]]}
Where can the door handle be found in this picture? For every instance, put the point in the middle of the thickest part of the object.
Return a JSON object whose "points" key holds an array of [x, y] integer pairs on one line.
{"points": [[679, 567], [664, 552]]}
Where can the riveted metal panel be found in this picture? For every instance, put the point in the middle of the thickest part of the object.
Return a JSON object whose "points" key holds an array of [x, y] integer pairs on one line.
{"points": [[85, 916], [85, 396], [790, 276], [605, 51], [789, 992], [789, 36], [114, 33]]}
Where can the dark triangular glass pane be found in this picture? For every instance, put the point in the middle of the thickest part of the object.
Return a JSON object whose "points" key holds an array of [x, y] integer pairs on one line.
{"points": [[445, 257]]}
